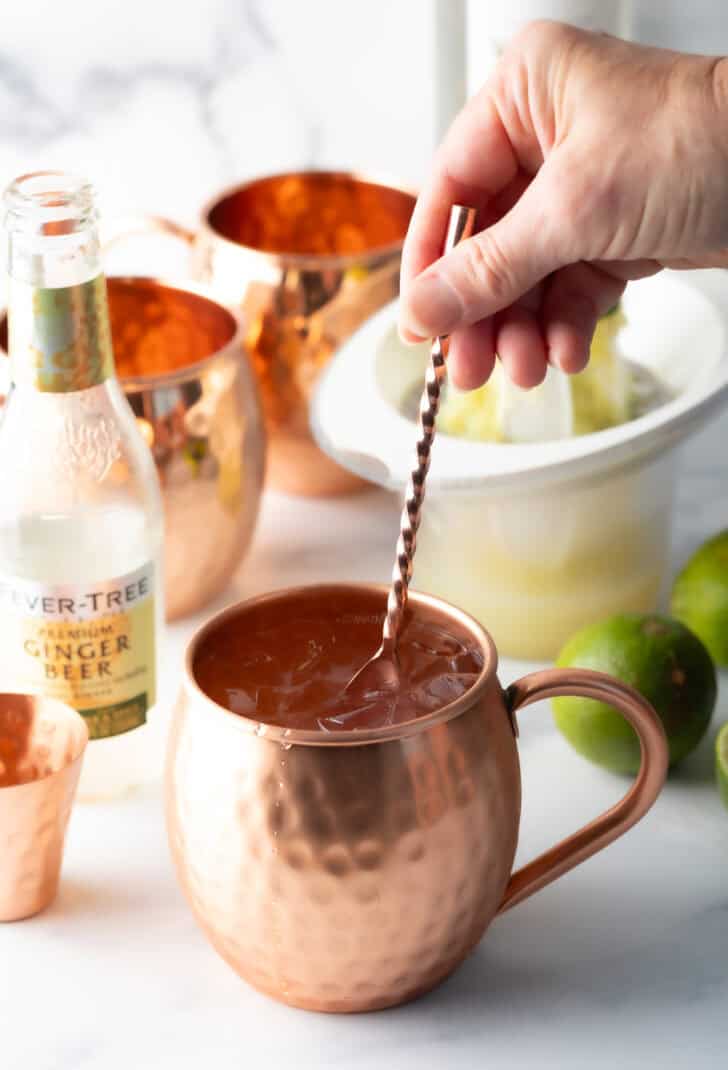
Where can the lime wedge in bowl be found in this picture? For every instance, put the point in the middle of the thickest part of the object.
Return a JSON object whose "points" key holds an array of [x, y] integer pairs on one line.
{"points": [[721, 763], [601, 393], [500, 411], [543, 414], [471, 414], [562, 406]]}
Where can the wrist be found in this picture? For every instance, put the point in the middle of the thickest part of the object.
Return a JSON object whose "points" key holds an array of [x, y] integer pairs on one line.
{"points": [[716, 132], [701, 133]]}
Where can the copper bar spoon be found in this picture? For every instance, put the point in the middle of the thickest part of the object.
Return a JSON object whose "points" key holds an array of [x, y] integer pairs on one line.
{"points": [[381, 670]]}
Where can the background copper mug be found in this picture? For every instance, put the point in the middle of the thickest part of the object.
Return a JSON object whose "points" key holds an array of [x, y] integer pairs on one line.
{"points": [[354, 871], [305, 257], [180, 358]]}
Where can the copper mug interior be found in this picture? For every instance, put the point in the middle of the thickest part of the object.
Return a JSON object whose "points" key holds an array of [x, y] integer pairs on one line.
{"points": [[355, 871], [42, 743], [181, 362], [306, 258]]}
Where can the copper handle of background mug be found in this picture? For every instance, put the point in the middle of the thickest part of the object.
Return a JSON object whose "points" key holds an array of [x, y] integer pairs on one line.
{"points": [[136, 226], [608, 826]]}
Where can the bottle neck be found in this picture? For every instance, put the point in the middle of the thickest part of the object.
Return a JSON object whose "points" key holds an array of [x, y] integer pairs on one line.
{"points": [[59, 338], [58, 319]]}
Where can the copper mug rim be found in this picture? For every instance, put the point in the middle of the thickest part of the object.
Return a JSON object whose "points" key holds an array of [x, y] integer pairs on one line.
{"points": [[137, 383], [78, 750], [316, 261], [186, 371], [363, 737]]}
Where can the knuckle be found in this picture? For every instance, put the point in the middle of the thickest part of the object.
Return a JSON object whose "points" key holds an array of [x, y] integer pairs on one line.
{"points": [[542, 35]]}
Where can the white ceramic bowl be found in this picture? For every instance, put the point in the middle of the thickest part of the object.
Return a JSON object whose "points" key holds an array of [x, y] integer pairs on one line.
{"points": [[537, 540]]}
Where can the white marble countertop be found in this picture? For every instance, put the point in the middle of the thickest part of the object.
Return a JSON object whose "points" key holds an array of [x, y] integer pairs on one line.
{"points": [[623, 962]]}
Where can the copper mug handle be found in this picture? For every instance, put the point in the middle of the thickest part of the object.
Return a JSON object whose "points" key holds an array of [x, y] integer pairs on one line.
{"points": [[614, 822], [138, 226]]}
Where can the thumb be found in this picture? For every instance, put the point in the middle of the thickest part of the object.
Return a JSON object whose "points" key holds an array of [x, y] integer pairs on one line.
{"points": [[494, 268]]}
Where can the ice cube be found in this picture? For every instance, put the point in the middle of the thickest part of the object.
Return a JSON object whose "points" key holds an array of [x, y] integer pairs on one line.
{"points": [[442, 689], [368, 708]]}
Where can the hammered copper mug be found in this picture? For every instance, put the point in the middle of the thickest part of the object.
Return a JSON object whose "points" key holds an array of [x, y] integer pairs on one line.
{"points": [[180, 358], [354, 871], [42, 743], [305, 257]]}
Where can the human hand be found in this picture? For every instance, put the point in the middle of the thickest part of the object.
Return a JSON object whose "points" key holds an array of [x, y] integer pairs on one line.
{"points": [[591, 161]]}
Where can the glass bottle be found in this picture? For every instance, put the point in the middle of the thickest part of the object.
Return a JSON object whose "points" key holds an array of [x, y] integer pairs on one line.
{"points": [[80, 508]]}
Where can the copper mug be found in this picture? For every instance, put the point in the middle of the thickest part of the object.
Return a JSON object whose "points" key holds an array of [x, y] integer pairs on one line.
{"points": [[305, 258], [180, 358], [42, 744], [355, 871]]}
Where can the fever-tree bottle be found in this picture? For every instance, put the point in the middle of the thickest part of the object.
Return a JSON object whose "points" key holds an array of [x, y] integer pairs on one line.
{"points": [[80, 509]]}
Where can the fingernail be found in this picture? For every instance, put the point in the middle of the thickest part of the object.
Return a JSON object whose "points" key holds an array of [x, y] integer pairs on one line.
{"points": [[432, 307]]}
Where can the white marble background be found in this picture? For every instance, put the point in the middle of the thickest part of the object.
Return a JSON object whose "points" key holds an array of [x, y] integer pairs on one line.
{"points": [[161, 102]]}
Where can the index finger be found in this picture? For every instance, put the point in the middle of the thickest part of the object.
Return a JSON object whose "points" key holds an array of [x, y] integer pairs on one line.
{"points": [[475, 162]]}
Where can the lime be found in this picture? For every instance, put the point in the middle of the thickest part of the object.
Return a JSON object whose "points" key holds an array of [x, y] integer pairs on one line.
{"points": [[659, 657], [700, 596], [721, 763], [600, 395], [472, 413], [601, 392]]}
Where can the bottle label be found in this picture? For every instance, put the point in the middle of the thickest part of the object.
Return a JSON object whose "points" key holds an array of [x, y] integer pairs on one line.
{"points": [[89, 645], [60, 338]]}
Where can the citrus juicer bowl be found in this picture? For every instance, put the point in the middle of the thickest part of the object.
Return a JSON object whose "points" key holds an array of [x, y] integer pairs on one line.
{"points": [[538, 539]]}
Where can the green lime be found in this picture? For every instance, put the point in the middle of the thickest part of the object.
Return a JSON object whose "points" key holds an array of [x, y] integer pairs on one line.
{"points": [[659, 657], [721, 763], [700, 596], [600, 393]]}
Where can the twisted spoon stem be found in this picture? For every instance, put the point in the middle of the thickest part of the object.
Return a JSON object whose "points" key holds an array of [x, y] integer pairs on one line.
{"points": [[461, 223]]}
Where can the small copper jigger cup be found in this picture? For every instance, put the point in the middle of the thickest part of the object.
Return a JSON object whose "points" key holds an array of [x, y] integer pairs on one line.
{"points": [[305, 257], [180, 358], [42, 742], [354, 871]]}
